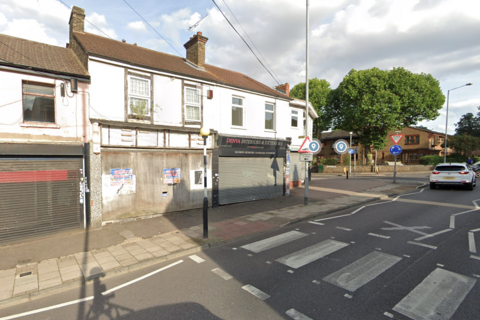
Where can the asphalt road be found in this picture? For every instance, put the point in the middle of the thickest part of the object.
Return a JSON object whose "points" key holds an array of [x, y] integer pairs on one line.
{"points": [[412, 258]]}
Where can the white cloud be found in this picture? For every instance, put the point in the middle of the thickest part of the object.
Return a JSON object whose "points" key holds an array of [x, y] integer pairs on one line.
{"points": [[467, 104], [137, 26], [100, 22], [29, 29]]}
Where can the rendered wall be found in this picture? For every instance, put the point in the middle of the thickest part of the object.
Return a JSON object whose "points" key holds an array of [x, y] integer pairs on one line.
{"points": [[150, 194]]}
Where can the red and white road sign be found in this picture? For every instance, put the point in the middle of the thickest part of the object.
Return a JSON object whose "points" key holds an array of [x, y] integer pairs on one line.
{"points": [[396, 138], [304, 148]]}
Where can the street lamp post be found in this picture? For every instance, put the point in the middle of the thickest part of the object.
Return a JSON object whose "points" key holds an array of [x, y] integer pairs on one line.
{"points": [[446, 122], [204, 132]]}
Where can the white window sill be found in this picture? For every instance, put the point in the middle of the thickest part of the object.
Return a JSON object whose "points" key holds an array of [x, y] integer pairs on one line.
{"points": [[240, 128], [296, 128], [271, 131], [39, 125]]}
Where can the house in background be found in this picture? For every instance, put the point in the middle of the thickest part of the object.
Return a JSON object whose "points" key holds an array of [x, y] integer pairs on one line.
{"points": [[44, 130], [146, 110], [415, 144]]}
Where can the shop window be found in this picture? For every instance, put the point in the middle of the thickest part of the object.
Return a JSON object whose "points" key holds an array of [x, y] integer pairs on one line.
{"points": [[294, 118], [412, 139], [269, 116], [38, 102], [237, 112], [192, 104], [138, 96]]}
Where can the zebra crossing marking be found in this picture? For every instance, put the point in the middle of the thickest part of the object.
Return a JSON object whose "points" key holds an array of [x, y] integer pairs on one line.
{"points": [[275, 241], [437, 297], [196, 258], [222, 274], [362, 271], [295, 315], [256, 292], [305, 256]]}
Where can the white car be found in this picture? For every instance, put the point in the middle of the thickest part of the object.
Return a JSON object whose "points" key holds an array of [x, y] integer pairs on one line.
{"points": [[453, 174]]}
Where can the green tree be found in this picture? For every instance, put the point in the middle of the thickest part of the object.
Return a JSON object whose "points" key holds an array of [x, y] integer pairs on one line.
{"points": [[318, 91], [372, 102], [469, 124], [464, 144]]}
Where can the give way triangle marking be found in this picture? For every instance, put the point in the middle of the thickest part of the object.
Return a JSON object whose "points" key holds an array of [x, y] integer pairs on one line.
{"points": [[396, 138]]}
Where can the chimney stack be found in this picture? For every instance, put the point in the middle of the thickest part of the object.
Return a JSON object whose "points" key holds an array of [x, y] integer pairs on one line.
{"points": [[284, 88], [196, 50], [77, 21]]}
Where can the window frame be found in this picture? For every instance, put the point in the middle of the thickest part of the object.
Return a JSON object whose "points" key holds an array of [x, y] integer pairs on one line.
{"points": [[138, 96], [292, 114], [273, 116], [192, 104], [242, 106], [43, 84], [416, 138]]}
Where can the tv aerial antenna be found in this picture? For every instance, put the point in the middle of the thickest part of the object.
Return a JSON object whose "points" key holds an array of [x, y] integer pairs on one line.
{"points": [[193, 26]]}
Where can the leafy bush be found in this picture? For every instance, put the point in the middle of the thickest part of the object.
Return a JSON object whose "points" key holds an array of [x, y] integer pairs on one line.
{"points": [[431, 160], [331, 161], [346, 159], [476, 159], [457, 158], [322, 161]]}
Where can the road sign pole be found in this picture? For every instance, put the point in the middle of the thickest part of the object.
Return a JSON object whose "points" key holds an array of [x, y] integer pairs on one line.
{"points": [[355, 165], [395, 169], [375, 161]]}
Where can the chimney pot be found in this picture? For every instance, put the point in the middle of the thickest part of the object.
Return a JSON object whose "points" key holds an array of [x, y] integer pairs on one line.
{"points": [[135, 44], [124, 41], [196, 49]]}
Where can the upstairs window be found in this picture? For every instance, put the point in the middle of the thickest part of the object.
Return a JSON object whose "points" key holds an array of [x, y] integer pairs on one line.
{"points": [[237, 112], [294, 118], [269, 116], [138, 96], [38, 102], [412, 139], [192, 104]]}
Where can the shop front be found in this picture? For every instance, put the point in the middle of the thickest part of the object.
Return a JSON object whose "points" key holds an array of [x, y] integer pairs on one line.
{"points": [[248, 169]]}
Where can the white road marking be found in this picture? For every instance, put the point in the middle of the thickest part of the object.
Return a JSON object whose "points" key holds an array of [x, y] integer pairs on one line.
{"points": [[290, 271], [234, 248], [471, 242], [353, 242], [24, 314], [346, 295], [294, 314], [437, 296], [432, 234], [452, 222], [379, 249], [422, 245], [256, 292], [275, 241], [222, 274], [317, 223], [452, 217], [250, 255], [406, 256], [305, 256], [388, 314], [196, 258], [474, 257], [269, 262], [362, 271], [476, 275], [440, 265], [379, 235], [342, 228], [400, 227], [476, 204], [316, 281], [141, 278]]}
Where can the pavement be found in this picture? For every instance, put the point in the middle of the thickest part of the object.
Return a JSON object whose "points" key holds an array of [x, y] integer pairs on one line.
{"points": [[44, 266]]}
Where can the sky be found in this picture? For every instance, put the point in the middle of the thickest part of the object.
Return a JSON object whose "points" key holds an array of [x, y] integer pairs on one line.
{"points": [[437, 37]]}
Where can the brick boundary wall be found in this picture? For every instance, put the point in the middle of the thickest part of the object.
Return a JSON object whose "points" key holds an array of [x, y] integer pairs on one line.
{"points": [[381, 168]]}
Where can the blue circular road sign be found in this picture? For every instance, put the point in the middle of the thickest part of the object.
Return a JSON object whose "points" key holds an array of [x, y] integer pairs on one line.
{"points": [[340, 146], [350, 151], [314, 146], [395, 150]]}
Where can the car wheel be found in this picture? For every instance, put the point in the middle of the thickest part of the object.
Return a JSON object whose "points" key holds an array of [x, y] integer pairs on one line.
{"points": [[432, 185], [470, 186]]}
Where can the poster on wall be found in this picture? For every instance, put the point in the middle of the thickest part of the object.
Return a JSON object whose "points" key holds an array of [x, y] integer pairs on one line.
{"points": [[120, 181], [171, 176]]}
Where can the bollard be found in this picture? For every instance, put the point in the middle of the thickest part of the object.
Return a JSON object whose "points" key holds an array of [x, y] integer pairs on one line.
{"points": [[347, 174]]}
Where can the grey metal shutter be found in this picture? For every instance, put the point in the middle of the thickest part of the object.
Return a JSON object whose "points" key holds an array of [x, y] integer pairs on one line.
{"points": [[295, 167], [247, 179], [39, 196]]}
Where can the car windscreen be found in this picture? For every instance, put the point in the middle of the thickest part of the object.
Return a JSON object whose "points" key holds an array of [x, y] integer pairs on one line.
{"points": [[450, 168]]}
